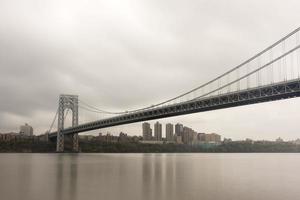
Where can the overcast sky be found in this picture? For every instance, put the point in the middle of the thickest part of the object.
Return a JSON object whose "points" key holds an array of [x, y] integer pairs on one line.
{"points": [[124, 54]]}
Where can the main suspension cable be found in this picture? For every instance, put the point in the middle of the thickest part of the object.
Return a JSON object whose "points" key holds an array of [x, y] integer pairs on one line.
{"points": [[53, 121], [97, 110]]}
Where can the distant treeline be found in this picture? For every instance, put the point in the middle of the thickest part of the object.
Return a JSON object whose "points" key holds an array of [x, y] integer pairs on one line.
{"points": [[27, 146], [232, 147], [136, 147]]}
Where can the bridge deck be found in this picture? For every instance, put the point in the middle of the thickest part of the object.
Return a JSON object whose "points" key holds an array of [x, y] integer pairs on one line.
{"points": [[278, 91]]}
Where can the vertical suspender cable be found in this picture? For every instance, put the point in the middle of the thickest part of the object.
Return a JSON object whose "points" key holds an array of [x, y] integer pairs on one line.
{"points": [[298, 54], [257, 73], [283, 61], [271, 67], [248, 77], [228, 80], [237, 77]]}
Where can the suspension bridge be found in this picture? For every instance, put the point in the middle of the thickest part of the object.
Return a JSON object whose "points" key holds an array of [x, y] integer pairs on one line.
{"points": [[272, 74]]}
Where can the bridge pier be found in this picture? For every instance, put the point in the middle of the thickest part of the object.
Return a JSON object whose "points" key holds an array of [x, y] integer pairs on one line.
{"points": [[67, 102], [75, 144]]}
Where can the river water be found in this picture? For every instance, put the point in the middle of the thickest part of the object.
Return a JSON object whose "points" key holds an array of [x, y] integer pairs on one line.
{"points": [[149, 176]]}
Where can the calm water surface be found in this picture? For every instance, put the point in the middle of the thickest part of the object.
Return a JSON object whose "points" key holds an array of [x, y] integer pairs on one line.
{"points": [[149, 176]]}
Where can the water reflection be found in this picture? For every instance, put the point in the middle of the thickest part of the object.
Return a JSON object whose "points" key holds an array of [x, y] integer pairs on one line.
{"points": [[59, 177], [24, 172], [149, 176], [73, 177], [66, 164]]}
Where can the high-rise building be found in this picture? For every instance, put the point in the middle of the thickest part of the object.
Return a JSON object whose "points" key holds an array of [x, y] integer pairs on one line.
{"points": [[147, 131], [169, 132], [201, 137], [189, 136], [185, 135], [178, 139], [212, 137], [158, 131], [26, 130], [179, 129], [151, 134]]}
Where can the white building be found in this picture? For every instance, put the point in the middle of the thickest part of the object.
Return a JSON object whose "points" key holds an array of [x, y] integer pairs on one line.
{"points": [[26, 130]]}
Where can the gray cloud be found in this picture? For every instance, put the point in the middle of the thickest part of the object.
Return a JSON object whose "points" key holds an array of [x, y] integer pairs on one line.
{"points": [[121, 55]]}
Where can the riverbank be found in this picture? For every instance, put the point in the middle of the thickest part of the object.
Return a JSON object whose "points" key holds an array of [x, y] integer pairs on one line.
{"points": [[136, 147]]}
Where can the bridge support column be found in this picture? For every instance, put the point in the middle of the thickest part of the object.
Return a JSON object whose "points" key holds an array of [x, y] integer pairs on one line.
{"points": [[75, 142], [67, 102], [60, 126], [75, 146]]}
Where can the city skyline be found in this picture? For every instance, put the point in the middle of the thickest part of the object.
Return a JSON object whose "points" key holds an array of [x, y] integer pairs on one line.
{"points": [[149, 99], [148, 47], [26, 131]]}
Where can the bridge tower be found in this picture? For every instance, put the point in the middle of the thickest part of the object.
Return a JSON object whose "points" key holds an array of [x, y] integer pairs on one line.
{"points": [[67, 102]]}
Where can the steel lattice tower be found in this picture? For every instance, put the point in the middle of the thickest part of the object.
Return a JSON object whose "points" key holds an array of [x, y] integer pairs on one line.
{"points": [[67, 102]]}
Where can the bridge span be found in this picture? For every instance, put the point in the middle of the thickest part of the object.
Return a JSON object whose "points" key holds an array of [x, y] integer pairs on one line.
{"points": [[279, 91], [270, 75]]}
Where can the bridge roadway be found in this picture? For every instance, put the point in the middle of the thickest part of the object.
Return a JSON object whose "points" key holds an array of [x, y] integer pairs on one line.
{"points": [[271, 92]]}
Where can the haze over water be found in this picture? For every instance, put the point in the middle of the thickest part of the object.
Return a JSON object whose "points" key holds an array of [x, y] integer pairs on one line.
{"points": [[149, 176]]}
